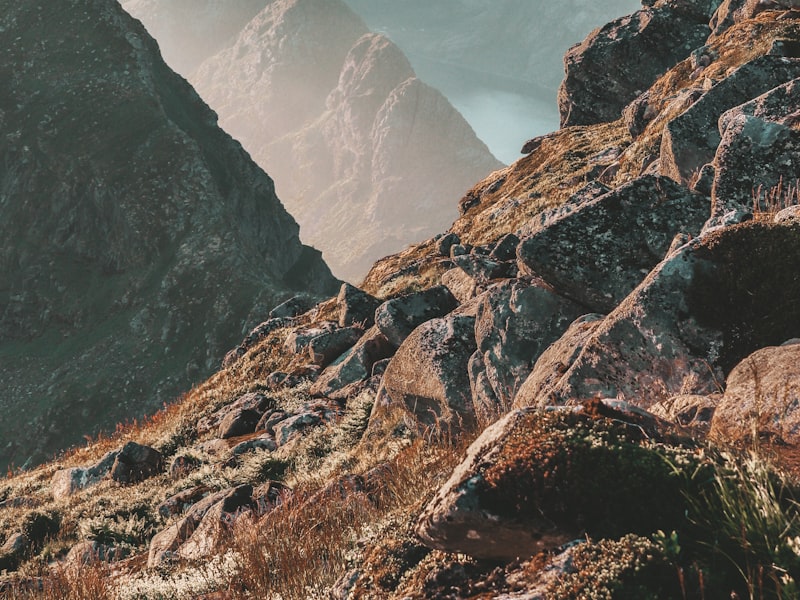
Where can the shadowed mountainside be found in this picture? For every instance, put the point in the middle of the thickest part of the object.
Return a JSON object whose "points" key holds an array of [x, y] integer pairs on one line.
{"points": [[138, 238]]}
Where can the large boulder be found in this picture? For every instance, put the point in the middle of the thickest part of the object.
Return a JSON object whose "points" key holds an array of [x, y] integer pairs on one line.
{"points": [[620, 60], [601, 251], [709, 304], [691, 139], [516, 321], [758, 159], [761, 399], [427, 377], [398, 317], [534, 481]]}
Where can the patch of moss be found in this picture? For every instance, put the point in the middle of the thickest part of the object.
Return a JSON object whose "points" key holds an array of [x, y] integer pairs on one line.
{"points": [[585, 473], [632, 568]]}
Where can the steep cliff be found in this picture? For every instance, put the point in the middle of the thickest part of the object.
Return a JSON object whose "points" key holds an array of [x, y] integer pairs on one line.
{"points": [[137, 237]]}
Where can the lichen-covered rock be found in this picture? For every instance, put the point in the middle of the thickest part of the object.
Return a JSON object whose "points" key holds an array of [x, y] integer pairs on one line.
{"points": [[251, 401], [325, 348], [533, 481], [294, 306], [238, 422], [483, 268], [398, 317], [708, 305], [620, 60], [691, 139], [762, 397], [758, 158], [136, 462], [356, 307], [167, 543], [460, 284], [427, 377], [601, 251], [354, 365], [66, 482], [555, 361], [516, 321], [91, 552]]}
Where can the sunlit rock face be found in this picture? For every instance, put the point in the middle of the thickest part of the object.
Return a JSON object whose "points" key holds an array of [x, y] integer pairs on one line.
{"points": [[359, 148], [137, 239]]}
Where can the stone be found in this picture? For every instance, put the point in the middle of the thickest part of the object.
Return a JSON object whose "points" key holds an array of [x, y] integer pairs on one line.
{"points": [[355, 365], [761, 399], [92, 552], [356, 307], [758, 160], [251, 401], [66, 482], [788, 216], [238, 422], [446, 242], [254, 337], [461, 285], [708, 305], [166, 544], [690, 140], [731, 12], [262, 443], [482, 269], [687, 410], [427, 378], [298, 340], [517, 494], [325, 348], [516, 321], [182, 465], [599, 253], [180, 502], [398, 317], [293, 307], [620, 60], [505, 248], [135, 463]]}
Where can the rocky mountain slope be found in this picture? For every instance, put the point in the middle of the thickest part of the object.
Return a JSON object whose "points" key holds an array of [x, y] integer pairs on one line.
{"points": [[138, 238], [587, 387], [358, 146]]}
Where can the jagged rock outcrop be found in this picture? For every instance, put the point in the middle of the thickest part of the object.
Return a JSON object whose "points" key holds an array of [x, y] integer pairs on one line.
{"points": [[359, 147], [138, 237], [620, 60]]}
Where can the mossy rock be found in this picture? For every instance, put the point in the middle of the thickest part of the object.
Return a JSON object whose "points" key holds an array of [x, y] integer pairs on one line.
{"points": [[534, 481]]}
